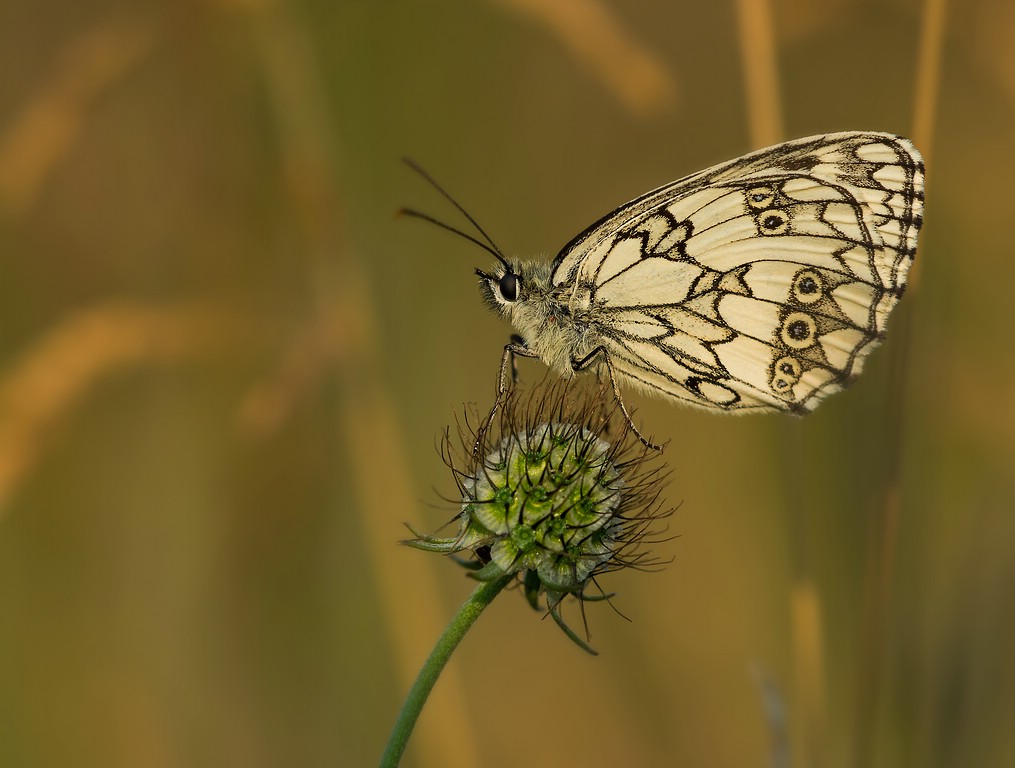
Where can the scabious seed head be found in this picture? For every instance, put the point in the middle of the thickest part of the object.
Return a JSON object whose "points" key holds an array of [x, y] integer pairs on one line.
{"points": [[545, 500], [557, 491]]}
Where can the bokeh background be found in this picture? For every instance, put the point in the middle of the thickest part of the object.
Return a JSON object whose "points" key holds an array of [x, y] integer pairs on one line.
{"points": [[225, 364]]}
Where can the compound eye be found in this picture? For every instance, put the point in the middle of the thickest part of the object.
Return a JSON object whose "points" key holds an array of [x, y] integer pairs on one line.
{"points": [[508, 286]]}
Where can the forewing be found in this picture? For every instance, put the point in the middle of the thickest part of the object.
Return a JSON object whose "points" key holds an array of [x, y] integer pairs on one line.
{"points": [[760, 283]]}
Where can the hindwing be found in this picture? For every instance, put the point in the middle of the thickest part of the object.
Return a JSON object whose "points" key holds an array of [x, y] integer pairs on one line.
{"points": [[761, 283]]}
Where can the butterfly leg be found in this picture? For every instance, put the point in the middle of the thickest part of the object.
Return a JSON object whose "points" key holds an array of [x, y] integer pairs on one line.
{"points": [[516, 341], [514, 349], [600, 352]]}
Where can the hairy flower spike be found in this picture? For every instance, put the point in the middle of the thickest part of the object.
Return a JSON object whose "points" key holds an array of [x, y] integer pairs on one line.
{"points": [[554, 497]]}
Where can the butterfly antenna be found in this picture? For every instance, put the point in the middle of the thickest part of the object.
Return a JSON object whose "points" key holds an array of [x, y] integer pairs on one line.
{"points": [[449, 228], [447, 196]]}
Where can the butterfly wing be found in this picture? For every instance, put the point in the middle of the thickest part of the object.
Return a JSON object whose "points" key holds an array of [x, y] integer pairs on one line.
{"points": [[761, 283]]}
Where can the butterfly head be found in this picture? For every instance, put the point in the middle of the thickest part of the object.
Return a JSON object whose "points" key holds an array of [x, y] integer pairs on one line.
{"points": [[502, 288]]}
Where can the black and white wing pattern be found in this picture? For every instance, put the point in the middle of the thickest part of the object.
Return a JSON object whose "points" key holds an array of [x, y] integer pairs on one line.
{"points": [[762, 283]]}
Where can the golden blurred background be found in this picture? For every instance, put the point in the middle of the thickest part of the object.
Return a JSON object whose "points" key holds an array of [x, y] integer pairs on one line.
{"points": [[226, 363]]}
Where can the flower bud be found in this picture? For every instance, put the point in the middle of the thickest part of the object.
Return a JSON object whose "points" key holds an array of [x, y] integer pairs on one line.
{"points": [[553, 497]]}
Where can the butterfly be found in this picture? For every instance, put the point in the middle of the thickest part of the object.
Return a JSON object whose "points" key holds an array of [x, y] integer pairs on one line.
{"points": [[760, 284]]}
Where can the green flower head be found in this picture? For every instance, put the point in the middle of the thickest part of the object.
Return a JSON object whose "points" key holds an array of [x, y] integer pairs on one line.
{"points": [[556, 491]]}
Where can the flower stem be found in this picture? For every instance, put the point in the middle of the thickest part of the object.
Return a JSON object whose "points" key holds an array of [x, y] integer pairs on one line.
{"points": [[465, 618]]}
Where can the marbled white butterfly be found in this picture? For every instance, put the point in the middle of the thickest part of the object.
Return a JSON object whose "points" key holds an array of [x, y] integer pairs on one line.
{"points": [[760, 284]]}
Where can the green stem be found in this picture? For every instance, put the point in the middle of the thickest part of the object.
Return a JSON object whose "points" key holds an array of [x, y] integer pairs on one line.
{"points": [[465, 618]]}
